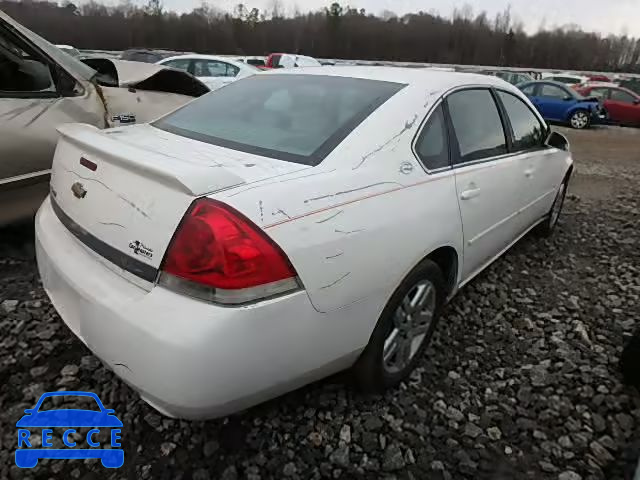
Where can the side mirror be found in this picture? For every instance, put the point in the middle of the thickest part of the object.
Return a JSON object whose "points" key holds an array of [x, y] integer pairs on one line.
{"points": [[109, 411], [557, 140], [636, 101], [29, 411]]}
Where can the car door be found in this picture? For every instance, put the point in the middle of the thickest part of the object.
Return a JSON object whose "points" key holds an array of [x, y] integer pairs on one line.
{"points": [[488, 179], [553, 101], [537, 177], [623, 107]]}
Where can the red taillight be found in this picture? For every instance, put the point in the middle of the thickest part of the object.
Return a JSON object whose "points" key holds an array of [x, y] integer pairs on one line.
{"points": [[216, 246]]}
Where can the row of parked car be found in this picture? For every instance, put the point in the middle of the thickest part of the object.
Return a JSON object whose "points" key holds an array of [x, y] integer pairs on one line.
{"points": [[576, 100]]}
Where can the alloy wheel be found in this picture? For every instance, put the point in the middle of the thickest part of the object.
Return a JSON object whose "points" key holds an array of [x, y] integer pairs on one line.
{"points": [[411, 322], [579, 120]]}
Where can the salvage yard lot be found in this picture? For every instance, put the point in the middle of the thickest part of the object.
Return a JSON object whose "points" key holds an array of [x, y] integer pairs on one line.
{"points": [[520, 382]]}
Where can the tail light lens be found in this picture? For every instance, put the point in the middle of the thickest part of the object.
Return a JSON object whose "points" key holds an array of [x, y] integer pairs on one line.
{"points": [[219, 255]]}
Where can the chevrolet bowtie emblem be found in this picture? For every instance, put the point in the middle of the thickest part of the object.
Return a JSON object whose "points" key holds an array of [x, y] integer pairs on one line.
{"points": [[78, 190]]}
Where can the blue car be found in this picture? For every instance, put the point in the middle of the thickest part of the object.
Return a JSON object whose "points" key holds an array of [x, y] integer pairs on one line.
{"points": [[558, 103], [47, 417]]}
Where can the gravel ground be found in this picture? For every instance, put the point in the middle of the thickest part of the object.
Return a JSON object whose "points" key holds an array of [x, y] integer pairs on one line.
{"points": [[520, 382]]}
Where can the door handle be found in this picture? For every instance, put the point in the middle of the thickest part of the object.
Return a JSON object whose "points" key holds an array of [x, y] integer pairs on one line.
{"points": [[469, 194], [529, 172]]}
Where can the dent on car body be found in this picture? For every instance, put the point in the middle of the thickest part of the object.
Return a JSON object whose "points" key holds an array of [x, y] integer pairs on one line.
{"points": [[99, 92]]}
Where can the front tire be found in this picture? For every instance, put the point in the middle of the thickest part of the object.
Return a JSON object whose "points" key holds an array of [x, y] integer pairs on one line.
{"points": [[403, 331], [580, 119]]}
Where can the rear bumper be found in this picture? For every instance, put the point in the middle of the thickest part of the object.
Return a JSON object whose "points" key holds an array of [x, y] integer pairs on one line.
{"points": [[187, 358]]}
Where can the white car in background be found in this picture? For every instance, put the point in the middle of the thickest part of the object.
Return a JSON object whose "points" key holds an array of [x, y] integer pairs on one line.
{"points": [[569, 79], [258, 62], [74, 52], [290, 60], [289, 226], [215, 72]]}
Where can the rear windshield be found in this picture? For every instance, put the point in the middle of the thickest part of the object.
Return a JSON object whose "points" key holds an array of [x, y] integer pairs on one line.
{"points": [[297, 118]]}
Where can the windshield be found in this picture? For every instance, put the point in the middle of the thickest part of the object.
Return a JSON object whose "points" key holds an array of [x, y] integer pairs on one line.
{"points": [[70, 63], [298, 118]]}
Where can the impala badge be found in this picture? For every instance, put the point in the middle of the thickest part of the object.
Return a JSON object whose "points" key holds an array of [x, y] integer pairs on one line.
{"points": [[78, 190]]}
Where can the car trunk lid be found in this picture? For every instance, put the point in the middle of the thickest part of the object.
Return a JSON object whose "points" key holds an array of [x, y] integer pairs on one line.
{"points": [[123, 192]]}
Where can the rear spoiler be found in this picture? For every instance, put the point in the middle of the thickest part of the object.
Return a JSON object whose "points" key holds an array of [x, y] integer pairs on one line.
{"points": [[189, 177]]}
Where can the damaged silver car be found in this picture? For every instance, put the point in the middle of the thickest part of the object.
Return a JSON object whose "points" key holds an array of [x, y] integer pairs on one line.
{"points": [[41, 87]]}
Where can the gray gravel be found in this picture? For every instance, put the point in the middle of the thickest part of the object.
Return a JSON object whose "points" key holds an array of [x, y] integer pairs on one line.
{"points": [[520, 382]]}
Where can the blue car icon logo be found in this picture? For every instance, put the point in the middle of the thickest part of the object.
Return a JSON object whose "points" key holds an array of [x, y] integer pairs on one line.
{"points": [[48, 419]]}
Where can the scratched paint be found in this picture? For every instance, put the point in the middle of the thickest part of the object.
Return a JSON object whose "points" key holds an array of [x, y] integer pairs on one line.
{"points": [[338, 194], [407, 126], [334, 283]]}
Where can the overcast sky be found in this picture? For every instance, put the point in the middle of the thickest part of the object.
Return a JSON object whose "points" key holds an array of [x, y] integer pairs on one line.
{"points": [[605, 16]]}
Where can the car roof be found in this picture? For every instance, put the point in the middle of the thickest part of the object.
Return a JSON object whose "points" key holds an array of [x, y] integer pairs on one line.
{"points": [[432, 79]]}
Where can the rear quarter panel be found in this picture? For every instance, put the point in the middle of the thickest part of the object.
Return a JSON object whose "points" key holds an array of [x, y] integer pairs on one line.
{"points": [[354, 226]]}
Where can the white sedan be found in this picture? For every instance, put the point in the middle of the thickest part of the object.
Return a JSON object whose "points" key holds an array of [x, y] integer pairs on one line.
{"points": [[213, 71], [290, 226]]}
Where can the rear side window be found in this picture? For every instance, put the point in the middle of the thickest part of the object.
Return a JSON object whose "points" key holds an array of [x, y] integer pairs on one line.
{"points": [[567, 80], [528, 132], [529, 89], [298, 118], [551, 91], [432, 146], [598, 92], [477, 125]]}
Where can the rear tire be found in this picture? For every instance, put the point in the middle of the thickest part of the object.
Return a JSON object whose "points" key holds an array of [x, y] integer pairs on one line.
{"points": [[630, 361], [403, 331], [546, 228], [580, 119]]}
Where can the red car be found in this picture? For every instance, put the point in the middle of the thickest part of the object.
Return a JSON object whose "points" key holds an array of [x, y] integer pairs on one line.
{"points": [[599, 78], [622, 105], [273, 60]]}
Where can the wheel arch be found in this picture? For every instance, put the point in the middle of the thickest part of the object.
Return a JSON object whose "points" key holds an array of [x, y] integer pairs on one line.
{"points": [[447, 259]]}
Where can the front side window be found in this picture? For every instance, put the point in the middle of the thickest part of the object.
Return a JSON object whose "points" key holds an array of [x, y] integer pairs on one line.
{"points": [[477, 125], [431, 146], [551, 91], [180, 64], [621, 96], [528, 132], [298, 118], [23, 71]]}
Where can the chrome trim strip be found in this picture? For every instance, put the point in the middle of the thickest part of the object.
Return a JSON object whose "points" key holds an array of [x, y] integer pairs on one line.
{"points": [[115, 256]]}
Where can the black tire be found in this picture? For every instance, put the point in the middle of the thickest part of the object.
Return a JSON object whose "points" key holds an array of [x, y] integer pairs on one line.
{"points": [[369, 373], [630, 361], [548, 225], [580, 119]]}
